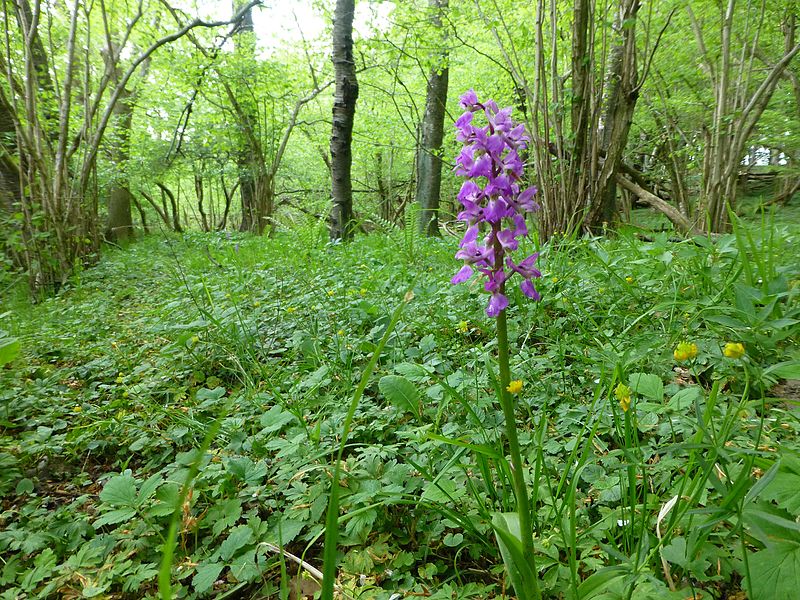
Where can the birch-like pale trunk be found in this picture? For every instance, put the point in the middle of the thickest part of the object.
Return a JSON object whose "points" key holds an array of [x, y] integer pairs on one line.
{"points": [[344, 110]]}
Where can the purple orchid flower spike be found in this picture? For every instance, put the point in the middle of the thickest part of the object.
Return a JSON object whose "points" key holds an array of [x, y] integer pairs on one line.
{"points": [[493, 200]]}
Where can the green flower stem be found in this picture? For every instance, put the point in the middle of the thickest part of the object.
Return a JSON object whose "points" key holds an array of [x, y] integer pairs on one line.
{"points": [[520, 487]]}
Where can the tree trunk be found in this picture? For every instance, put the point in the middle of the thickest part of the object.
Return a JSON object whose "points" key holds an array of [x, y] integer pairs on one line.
{"points": [[119, 227], [344, 110], [739, 102], [622, 94], [429, 152]]}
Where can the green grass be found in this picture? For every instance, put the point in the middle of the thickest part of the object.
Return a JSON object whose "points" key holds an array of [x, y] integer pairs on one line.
{"points": [[122, 374]]}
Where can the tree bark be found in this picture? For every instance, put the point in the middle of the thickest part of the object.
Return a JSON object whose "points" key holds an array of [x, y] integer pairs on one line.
{"points": [[429, 152], [622, 94], [119, 226], [344, 109]]}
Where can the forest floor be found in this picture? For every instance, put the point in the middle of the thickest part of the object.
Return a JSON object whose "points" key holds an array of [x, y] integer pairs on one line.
{"points": [[122, 374]]}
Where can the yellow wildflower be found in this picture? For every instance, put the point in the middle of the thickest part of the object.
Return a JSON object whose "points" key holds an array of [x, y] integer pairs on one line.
{"points": [[340, 332], [629, 279], [77, 408], [463, 327], [256, 303], [291, 309], [515, 387], [623, 394], [685, 351], [363, 291], [733, 350], [331, 292]]}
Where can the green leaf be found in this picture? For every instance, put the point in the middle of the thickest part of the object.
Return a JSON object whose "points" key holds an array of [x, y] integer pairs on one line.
{"points": [[207, 394], [647, 385], [9, 350], [120, 491], [774, 572], [236, 540], [785, 370], [685, 399], [453, 540], [785, 487], [727, 321], [400, 392], [601, 581], [205, 575], [507, 529], [284, 531], [112, 517], [274, 419], [24, 486], [148, 488]]}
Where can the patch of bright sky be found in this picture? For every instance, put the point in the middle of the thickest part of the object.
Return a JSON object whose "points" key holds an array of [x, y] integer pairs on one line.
{"points": [[279, 24]]}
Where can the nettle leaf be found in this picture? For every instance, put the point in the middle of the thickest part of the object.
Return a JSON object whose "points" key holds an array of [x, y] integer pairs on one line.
{"points": [[647, 385], [236, 540], [400, 392], [775, 571], [205, 575], [120, 490]]}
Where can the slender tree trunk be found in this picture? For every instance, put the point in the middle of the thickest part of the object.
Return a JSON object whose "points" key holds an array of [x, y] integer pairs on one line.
{"points": [[119, 227], [739, 102], [344, 110], [199, 189], [429, 152]]}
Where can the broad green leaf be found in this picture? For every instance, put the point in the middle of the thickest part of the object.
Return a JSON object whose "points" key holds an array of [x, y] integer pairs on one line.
{"points": [[237, 539], [507, 530], [318, 378], [400, 392], [284, 531], [647, 385], [443, 491], [785, 370], [245, 567], [112, 517], [119, 491], [775, 571], [24, 486], [601, 580], [685, 399], [205, 575], [207, 394], [9, 350], [148, 488], [785, 487], [727, 321], [274, 419]]}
